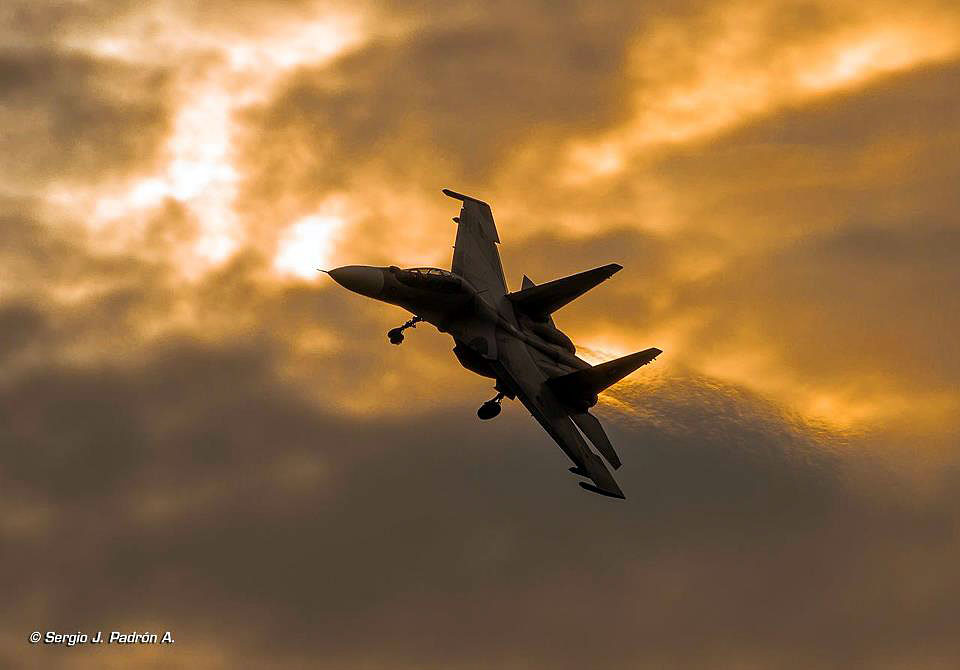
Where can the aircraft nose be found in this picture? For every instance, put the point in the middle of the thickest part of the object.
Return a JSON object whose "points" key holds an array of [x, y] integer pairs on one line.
{"points": [[362, 279]]}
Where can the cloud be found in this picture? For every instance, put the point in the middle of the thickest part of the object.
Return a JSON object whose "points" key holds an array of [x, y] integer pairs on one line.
{"points": [[237, 454], [828, 233], [823, 292], [198, 474], [74, 117], [458, 94]]}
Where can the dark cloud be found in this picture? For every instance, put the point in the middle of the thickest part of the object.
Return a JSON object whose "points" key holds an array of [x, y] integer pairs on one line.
{"points": [[29, 24], [197, 490], [76, 117], [863, 301]]}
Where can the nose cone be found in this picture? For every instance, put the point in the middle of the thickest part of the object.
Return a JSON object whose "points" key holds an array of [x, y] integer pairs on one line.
{"points": [[361, 279]]}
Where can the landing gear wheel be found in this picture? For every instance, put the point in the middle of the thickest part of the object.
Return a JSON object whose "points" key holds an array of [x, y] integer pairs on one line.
{"points": [[395, 335], [489, 410]]}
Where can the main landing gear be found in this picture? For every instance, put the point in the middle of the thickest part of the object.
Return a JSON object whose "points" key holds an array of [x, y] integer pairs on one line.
{"points": [[396, 334], [491, 408]]}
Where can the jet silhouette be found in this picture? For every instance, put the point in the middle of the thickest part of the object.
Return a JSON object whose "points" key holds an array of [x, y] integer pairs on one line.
{"points": [[509, 337]]}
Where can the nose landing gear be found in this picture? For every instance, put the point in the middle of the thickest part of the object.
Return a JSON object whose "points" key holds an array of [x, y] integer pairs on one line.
{"points": [[491, 408], [395, 335]]}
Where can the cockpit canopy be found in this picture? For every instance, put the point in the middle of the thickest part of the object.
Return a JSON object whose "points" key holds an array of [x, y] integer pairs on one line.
{"points": [[432, 271], [428, 278]]}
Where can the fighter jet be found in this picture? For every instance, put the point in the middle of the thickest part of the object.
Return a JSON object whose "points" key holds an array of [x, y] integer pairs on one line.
{"points": [[509, 337]]}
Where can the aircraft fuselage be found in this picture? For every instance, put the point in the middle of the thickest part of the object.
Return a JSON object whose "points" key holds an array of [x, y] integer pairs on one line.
{"points": [[454, 306]]}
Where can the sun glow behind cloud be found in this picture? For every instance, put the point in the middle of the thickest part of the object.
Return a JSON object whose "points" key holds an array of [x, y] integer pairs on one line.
{"points": [[198, 166], [307, 246]]}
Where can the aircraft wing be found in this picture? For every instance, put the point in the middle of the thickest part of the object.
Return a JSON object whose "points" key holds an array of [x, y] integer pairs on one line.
{"points": [[520, 373], [475, 255]]}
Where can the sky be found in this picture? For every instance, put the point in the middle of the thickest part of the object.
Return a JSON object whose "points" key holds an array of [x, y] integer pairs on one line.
{"points": [[203, 434]]}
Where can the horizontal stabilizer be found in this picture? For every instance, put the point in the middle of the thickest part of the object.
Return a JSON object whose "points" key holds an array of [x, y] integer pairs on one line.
{"points": [[579, 388], [597, 489], [541, 300], [593, 429]]}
